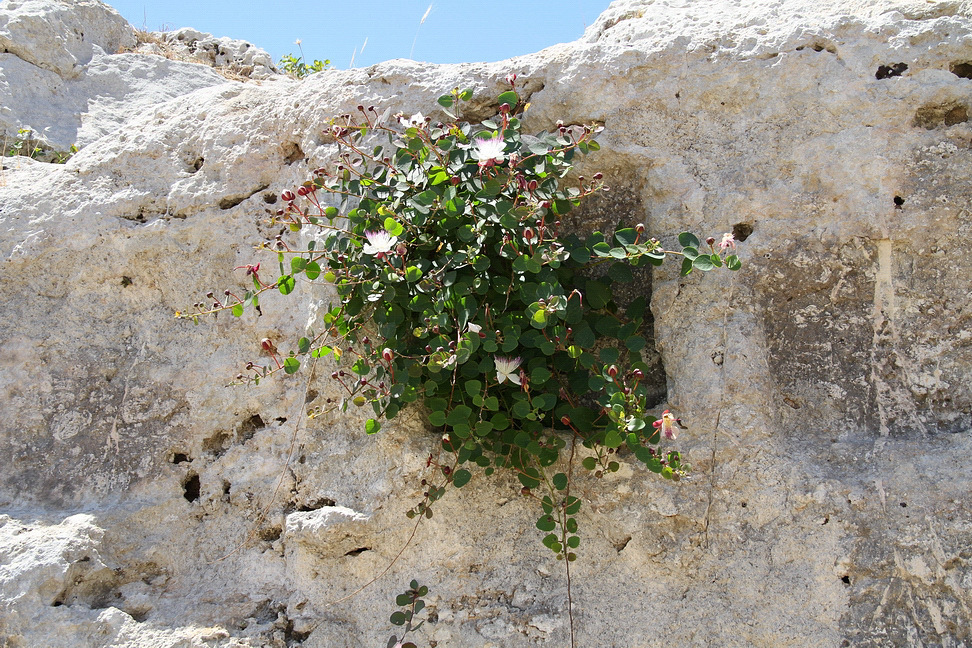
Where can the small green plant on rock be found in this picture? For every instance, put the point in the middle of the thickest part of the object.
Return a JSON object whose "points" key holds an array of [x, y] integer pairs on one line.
{"points": [[458, 286], [27, 145], [296, 67], [412, 604]]}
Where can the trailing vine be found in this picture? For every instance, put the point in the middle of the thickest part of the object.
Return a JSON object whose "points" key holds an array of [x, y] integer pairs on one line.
{"points": [[458, 288]]}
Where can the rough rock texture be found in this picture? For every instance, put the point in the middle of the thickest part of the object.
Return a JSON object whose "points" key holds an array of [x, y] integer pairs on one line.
{"points": [[232, 56], [73, 72], [826, 385]]}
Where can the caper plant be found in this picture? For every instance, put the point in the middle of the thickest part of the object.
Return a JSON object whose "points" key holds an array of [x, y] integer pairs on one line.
{"points": [[459, 288], [412, 604]]}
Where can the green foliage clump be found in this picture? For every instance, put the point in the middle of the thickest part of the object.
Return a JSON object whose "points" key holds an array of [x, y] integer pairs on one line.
{"points": [[458, 288], [26, 145], [296, 67]]}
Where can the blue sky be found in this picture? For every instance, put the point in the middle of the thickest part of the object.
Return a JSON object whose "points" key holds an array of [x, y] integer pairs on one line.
{"points": [[454, 31]]}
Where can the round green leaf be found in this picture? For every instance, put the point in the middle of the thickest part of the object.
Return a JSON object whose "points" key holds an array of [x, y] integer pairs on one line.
{"points": [[613, 439], [393, 227], [286, 284], [508, 97], [459, 415], [687, 239], [461, 477], [546, 523]]}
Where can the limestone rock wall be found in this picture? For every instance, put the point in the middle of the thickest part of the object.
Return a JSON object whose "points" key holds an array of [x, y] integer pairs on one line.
{"points": [[826, 385]]}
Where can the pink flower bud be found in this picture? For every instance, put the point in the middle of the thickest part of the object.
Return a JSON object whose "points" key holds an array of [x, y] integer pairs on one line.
{"points": [[612, 371], [387, 355], [288, 196], [640, 228]]}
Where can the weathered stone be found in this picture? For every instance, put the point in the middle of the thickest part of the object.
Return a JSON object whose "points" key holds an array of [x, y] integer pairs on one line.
{"points": [[825, 385]]}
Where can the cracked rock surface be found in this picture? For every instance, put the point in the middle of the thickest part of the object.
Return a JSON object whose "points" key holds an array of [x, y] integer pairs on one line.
{"points": [[827, 386]]}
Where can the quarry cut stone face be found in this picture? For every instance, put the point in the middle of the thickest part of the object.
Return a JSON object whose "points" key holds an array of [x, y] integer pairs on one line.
{"points": [[826, 386]]}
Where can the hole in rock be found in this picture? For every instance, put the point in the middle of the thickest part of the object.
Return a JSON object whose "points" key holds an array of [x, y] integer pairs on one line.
{"points": [[229, 202], [295, 637], [315, 504], [934, 116], [619, 547], [359, 550], [270, 534], [270, 198], [138, 616], [818, 46], [888, 71], [744, 504], [179, 457], [190, 488], [898, 201], [607, 212], [226, 487], [292, 153], [903, 504], [741, 231], [281, 419], [216, 444], [248, 428], [825, 520], [956, 115], [961, 69], [845, 580]]}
